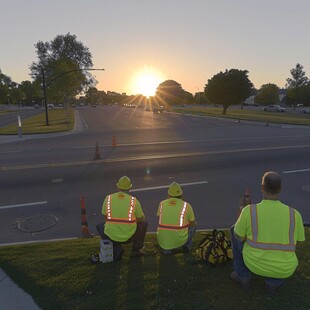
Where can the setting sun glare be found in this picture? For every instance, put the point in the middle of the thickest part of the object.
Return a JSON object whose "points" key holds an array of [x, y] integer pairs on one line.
{"points": [[145, 81]]}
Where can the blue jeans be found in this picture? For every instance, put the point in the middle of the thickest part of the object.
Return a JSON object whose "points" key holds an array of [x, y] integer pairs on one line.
{"points": [[239, 265]]}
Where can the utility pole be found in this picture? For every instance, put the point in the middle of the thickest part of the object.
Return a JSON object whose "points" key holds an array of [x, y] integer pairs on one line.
{"points": [[44, 95]]}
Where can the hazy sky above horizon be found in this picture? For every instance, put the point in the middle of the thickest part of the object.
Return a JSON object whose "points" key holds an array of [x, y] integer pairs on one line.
{"points": [[188, 41]]}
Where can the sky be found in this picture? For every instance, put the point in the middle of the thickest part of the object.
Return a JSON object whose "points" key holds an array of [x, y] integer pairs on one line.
{"points": [[141, 42]]}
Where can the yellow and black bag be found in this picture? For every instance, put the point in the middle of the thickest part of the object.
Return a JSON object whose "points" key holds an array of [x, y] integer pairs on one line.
{"points": [[215, 248]]}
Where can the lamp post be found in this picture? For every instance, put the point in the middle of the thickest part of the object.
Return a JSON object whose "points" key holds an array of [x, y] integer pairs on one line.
{"points": [[45, 85]]}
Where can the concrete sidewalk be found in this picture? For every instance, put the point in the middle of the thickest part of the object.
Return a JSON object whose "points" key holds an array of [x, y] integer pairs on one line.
{"points": [[13, 297]]}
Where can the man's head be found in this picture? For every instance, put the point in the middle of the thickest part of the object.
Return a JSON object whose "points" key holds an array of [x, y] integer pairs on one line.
{"points": [[175, 190], [124, 183], [271, 183]]}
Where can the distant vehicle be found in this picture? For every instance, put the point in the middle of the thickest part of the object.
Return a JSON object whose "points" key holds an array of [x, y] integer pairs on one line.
{"points": [[274, 108], [50, 106], [157, 109], [300, 105], [81, 104], [60, 105], [36, 106], [305, 110]]}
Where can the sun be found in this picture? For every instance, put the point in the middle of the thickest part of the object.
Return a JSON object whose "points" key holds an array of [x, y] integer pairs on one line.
{"points": [[146, 80]]}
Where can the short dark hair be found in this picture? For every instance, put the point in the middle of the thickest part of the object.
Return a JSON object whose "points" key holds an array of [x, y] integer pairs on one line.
{"points": [[271, 182]]}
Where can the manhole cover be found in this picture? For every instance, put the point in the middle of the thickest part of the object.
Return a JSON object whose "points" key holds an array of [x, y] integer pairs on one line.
{"points": [[37, 223]]}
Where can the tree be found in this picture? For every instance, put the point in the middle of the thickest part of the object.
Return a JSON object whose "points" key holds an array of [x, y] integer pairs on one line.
{"points": [[32, 91], [64, 53], [227, 88], [267, 94], [5, 85], [298, 80], [170, 92]]}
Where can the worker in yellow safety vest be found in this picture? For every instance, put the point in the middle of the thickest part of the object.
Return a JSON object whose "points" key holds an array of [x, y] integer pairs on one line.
{"points": [[264, 238], [177, 223], [124, 220]]}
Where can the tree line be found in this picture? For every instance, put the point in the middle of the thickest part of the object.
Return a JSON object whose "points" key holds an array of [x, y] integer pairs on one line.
{"points": [[66, 54]]}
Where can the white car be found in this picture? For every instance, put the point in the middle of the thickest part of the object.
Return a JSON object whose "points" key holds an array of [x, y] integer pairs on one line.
{"points": [[274, 108], [305, 110]]}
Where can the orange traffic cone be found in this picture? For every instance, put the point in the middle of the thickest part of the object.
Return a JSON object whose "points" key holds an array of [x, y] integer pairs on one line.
{"points": [[97, 153], [114, 141], [85, 230]]}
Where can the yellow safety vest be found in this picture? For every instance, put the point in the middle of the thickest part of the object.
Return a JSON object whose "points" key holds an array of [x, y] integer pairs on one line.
{"points": [[291, 246], [129, 219], [170, 226]]}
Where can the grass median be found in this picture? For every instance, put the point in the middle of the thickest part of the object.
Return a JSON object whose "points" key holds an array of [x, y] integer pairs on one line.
{"points": [[248, 115], [59, 120], [59, 275]]}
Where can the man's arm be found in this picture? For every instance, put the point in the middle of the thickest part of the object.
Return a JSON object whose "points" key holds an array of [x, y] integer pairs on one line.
{"points": [[141, 219], [239, 237], [192, 223]]}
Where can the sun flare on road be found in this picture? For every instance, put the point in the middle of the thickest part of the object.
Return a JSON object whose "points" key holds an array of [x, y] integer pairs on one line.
{"points": [[146, 80]]}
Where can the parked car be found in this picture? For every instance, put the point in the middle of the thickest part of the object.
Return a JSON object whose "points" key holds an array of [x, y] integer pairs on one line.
{"points": [[305, 110], [36, 106], [274, 108], [50, 106]]}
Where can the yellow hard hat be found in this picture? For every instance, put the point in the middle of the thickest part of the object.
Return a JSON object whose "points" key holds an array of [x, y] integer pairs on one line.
{"points": [[124, 183], [175, 190]]}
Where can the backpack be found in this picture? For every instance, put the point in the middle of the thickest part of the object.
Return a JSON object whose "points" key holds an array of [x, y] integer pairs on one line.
{"points": [[215, 248]]}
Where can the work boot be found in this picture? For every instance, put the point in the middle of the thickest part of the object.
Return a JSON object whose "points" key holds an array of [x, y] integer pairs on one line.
{"points": [[137, 253], [244, 283]]}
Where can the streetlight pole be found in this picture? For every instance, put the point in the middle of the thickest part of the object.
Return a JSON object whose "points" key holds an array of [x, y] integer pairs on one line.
{"points": [[44, 95], [45, 85]]}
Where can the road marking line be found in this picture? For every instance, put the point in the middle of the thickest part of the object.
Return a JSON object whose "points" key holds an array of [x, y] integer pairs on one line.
{"points": [[165, 186], [24, 205], [39, 241], [296, 171], [8, 152], [151, 157], [189, 141]]}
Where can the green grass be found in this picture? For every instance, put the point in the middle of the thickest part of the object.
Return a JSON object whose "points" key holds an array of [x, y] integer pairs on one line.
{"points": [[58, 122], [59, 276], [244, 114]]}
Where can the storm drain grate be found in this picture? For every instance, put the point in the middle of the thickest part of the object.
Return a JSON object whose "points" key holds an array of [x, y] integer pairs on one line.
{"points": [[37, 223]]}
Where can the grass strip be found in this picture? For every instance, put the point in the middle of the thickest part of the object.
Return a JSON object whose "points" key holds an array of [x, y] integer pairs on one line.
{"points": [[250, 115], [59, 275], [58, 121]]}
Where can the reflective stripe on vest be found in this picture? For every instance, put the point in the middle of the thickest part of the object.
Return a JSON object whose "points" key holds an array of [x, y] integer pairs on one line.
{"points": [[271, 246], [131, 216], [170, 226]]}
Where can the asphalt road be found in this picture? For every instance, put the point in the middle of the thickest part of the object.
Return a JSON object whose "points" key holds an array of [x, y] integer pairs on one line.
{"points": [[215, 159]]}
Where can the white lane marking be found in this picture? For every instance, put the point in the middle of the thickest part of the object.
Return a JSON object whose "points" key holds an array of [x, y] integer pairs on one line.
{"points": [[165, 186], [57, 180], [296, 171], [39, 241], [8, 152], [24, 205], [189, 141]]}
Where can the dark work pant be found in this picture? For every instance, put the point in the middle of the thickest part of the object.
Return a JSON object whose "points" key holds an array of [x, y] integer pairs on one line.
{"points": [[137, 239]]}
